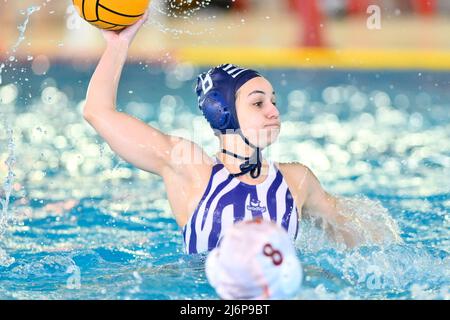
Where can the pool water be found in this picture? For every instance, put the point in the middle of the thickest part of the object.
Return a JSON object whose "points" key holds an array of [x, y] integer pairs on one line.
{"points": [[82, 224]]}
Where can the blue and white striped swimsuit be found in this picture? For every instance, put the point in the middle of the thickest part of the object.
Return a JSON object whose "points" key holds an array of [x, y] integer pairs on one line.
{"points": [[227, 200]]}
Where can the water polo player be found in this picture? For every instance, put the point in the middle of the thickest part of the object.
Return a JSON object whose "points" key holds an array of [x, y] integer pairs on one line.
{"points": [[236, 184]]}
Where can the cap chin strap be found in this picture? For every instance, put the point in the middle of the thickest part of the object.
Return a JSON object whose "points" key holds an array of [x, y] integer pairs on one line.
{"points": [[252, 164]]}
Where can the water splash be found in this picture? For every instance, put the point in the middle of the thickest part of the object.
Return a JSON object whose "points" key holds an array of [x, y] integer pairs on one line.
{"points": [[2, 66], [382, 264], [368, 221], [362, 222], [186, 11], [395, 268], [6, 215], [22, 28]]}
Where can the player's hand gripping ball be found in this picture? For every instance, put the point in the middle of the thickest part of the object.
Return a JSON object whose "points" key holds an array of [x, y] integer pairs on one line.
{"points": [[111, 14]]}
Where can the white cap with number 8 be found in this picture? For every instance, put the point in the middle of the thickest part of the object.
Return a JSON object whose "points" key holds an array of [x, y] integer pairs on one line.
{"points": [[254, 260]]}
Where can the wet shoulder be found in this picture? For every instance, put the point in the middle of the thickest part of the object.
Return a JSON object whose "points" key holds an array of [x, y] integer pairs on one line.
{"points": [[296, 176], [292, 168]]}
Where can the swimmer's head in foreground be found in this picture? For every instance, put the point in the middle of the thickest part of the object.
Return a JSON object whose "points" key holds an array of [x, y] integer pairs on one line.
{"points": [[254, 260], [241, 102]]}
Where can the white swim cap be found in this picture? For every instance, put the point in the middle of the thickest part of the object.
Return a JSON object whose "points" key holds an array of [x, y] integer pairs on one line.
{"points": [[254, 260]]}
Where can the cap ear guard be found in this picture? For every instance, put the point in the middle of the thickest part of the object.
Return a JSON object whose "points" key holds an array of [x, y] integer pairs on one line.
{"points": [[215, 110], [216, 92]]}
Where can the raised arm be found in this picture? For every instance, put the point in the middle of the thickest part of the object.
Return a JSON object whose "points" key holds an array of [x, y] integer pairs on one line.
{"points": [[133, 140]]}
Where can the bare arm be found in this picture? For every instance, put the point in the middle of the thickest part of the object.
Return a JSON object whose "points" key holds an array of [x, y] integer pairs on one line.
{"points": [[102, 91], [344, 222], [320, 205], [133, 140]]}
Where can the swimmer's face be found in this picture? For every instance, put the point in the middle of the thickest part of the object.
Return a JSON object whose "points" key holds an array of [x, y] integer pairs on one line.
{"points": [[256, 109]]}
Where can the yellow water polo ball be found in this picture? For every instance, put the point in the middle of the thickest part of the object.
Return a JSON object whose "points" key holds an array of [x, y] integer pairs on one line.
{"points": [[111, 14]]}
